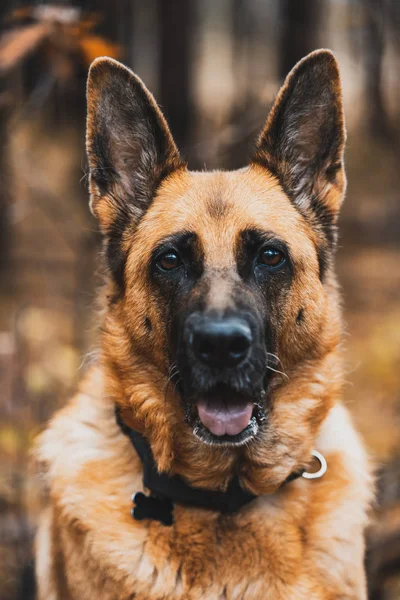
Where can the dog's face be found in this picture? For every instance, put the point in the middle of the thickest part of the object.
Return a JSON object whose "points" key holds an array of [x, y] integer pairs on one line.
{"points": [[233, 294], [222, 280]]}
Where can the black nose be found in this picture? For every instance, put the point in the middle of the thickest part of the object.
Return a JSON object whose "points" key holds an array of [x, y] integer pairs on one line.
{"points": [[223, 342]]}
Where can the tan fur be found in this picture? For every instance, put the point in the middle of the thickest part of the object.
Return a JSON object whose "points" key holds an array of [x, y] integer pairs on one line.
{"points": [[303, 541]]}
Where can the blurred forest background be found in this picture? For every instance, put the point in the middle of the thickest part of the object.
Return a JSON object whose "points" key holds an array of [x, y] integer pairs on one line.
{"points": [[214, 66]]}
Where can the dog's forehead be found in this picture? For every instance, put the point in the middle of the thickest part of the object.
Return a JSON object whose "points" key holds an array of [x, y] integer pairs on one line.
{"points": [[218, 205]]}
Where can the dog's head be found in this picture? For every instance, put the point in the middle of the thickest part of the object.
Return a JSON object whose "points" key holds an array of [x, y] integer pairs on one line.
{"points": [[222, 325]]}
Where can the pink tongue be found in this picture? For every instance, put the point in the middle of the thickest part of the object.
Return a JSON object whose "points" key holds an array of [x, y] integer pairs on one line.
{"points": [[224, 419]]}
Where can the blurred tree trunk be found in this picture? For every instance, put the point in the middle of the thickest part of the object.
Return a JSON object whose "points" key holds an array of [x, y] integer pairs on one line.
{"points": [[299, 31], [5, 111], [175, 25], [4, 188], [375, 20], [110, 12], [241, 31]]}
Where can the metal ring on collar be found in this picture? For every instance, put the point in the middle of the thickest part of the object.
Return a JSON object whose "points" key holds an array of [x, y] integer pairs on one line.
{"points": [[323, 466]]}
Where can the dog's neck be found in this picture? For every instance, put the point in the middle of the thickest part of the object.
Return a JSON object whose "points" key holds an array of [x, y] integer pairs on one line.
{"points": [[138, 387], [165, 491]]}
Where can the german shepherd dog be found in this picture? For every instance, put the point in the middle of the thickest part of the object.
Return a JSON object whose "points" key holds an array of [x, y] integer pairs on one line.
{"points": [[215, 397]]}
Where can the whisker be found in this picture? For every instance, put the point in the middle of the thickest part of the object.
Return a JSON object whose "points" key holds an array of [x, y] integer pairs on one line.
{"points": [[277, 371], [176, 384], [274, 356], [166, 376], [173, 371]]}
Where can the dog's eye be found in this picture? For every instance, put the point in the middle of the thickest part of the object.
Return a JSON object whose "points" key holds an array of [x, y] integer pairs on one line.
{"points": [[169, 261], [271, 257]]}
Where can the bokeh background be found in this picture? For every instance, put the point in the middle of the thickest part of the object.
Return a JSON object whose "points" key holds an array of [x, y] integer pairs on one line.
{"points": [[214, 67]]}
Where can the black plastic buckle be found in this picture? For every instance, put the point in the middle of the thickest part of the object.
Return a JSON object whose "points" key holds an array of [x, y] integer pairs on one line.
{"points": [[152, 507]]}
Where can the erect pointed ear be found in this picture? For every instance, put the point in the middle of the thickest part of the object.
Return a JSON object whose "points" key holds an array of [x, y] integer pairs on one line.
{"points": [[129, 146], [303, 140]]}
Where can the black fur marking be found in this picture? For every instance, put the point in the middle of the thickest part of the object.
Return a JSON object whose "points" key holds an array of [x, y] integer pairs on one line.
{"points": [[102, 170], [300, 316], [217, 208], [324, 260], [115, 256], [185, 243], [325, 219], [250, 242], [148, 325], [173, 288]]}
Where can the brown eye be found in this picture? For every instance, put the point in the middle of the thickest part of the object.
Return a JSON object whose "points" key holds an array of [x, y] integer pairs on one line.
{"points": [[169, 261], [271, 257]]}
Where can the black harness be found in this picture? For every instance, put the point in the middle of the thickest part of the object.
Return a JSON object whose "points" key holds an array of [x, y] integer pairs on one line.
{"points": [[166, 490]]}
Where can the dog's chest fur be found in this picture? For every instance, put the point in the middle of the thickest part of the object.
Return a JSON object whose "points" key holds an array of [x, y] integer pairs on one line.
{"points": [[298, 543]]}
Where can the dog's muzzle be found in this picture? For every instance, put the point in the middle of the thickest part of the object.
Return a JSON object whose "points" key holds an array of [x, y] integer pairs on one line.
{"points": [[224, 375]]}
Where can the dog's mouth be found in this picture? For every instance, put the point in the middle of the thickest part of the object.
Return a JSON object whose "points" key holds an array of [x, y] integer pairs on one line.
{"points": [[225, 417]]}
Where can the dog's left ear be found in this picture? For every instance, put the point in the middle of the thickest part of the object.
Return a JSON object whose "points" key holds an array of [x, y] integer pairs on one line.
{"points": [[303, 140], [129, 146]]}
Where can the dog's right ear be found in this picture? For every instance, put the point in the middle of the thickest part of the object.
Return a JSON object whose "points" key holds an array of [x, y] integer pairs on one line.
{"points": [[129, 146]]}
